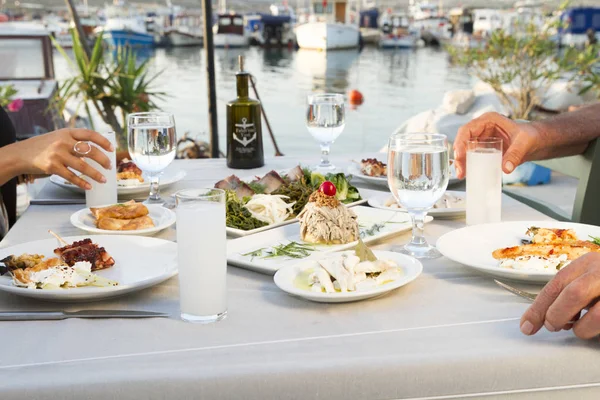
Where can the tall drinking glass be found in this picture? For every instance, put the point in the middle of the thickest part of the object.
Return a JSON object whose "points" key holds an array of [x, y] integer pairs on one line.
{"points": [[202, 254], [325, 120], [484, 181], [418, 174], [152, 145]]}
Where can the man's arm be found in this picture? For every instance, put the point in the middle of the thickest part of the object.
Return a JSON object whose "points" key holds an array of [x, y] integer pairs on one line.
{"points": [[568, 133]]}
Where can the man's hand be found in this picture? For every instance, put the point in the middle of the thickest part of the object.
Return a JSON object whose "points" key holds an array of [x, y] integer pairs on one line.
{"points": [[520, 140], [574, 288]]}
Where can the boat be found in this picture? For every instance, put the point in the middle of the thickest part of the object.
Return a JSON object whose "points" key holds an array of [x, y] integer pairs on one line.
{"points": [[186, 29], [125, 27], [579, 24], [28, 66], [462, 29], [396, 32], [369, 26], [229, 31], [331, 25], [59, 30], [273, 29], [486, 21], [429, 20]]}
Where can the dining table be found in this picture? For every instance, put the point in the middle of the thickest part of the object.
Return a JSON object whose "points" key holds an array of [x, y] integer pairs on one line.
{"points": [[450, 334]]}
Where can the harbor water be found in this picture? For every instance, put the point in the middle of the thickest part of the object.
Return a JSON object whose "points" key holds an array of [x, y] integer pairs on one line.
{"points": [[396, 85]]}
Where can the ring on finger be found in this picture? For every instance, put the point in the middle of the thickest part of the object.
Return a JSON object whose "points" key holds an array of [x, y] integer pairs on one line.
{"points": [[82, 148]]}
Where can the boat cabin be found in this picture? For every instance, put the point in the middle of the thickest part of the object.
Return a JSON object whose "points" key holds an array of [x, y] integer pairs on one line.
{"points": [[340, 11], [28, 66], [270, 30], [579, 25], [229, 23]]}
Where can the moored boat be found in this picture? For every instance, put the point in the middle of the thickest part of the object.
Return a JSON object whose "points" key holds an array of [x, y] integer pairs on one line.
{"points": [[332, 25], [125, 27], [229, 31], [396, 32]]}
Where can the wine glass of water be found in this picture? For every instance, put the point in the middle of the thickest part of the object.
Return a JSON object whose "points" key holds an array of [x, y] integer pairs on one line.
{"points": [[152, 144], [325, 120], [418, 174]]}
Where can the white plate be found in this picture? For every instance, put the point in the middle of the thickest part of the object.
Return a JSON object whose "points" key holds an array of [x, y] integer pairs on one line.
{"points": [[285, 277], [394, 222], [473, 246], [140, 262], [169, 177], [379, 201], [234, 232], [162, 217], [355, 171]]}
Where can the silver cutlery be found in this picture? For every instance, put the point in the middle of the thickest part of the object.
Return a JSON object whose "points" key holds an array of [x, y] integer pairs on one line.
{"points": [[518, 292], [60, 315]]}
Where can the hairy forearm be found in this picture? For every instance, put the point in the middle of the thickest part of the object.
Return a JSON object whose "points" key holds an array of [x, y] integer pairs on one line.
{"points": [[569, 133], [10, 163]]}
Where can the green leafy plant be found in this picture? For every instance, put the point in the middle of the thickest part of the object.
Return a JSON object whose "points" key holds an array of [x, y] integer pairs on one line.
{"points": [[110, 86], [7, 93]]}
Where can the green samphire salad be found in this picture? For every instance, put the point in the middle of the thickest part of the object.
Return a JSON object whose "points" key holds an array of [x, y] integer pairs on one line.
{"points": [[275, 198]]}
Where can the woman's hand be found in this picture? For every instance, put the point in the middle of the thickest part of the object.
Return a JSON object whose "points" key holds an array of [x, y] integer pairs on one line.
{"points": [[53, 153], [520, 140], [559, 304]]}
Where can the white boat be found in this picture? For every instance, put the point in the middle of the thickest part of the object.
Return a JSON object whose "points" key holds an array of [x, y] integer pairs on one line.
{"points": [[396, 32], [186, 30], [430, 22], [331, 25], [486, 21], [229, 31]]}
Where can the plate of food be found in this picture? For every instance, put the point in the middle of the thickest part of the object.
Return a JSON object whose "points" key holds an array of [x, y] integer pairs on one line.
{"points": [[524, 251], [347, 276], [259, 203], [84, 268], [325, 226], [374, 171], [451, 205], [130, 218], [130, 179]]}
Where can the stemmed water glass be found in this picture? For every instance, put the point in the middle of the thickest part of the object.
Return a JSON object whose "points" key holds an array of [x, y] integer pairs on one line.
{"points": [[152, 144], [418, 174], [325, 120]]}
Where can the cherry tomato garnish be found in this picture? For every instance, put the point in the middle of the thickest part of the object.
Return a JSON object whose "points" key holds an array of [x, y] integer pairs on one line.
{"points": [[328, 188]]}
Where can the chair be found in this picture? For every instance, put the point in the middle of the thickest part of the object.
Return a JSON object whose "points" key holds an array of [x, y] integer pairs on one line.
{"points": [[586, 168]]}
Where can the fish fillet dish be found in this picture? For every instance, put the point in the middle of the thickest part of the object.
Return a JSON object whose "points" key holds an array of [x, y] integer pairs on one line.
{"points": [[547, 250]]}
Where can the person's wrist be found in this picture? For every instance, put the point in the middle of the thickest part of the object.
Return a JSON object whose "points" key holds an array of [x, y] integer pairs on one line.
{"points": [[16, 161], [537, 132]]}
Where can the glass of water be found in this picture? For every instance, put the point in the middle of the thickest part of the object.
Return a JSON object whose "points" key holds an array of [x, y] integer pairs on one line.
{"points": [[325, 120], [202, 254], [152, 145], [418, 174]]}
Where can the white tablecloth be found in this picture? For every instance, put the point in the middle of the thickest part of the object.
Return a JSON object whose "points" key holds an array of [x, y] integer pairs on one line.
{"points": [[450, 334]]}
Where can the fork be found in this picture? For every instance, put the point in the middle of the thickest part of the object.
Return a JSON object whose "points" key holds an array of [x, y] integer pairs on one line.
{"points": [[521, 293]]}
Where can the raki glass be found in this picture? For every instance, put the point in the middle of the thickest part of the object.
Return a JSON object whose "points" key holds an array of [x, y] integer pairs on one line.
{"points": [[418, 174], [325, 120], [152, 144]]}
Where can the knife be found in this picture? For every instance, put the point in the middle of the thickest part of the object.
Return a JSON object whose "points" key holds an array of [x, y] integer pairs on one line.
{"points": [[60, 315]]}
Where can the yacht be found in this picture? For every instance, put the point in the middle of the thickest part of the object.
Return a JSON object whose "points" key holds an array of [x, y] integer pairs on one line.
{"points": [[229, 31], [331, 25], [272, 30]]}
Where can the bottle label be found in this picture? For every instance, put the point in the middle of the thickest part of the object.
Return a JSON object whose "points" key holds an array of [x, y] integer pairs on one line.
{"points": [[245, 133]]}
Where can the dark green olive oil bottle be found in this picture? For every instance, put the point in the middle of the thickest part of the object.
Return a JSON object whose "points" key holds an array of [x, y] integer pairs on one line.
{"points": [[244, 133]]}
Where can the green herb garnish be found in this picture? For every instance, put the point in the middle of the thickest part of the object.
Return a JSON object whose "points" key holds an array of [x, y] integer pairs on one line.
{"points": [[257, 187], [595, 240], [363, 252], [291, 250]]}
